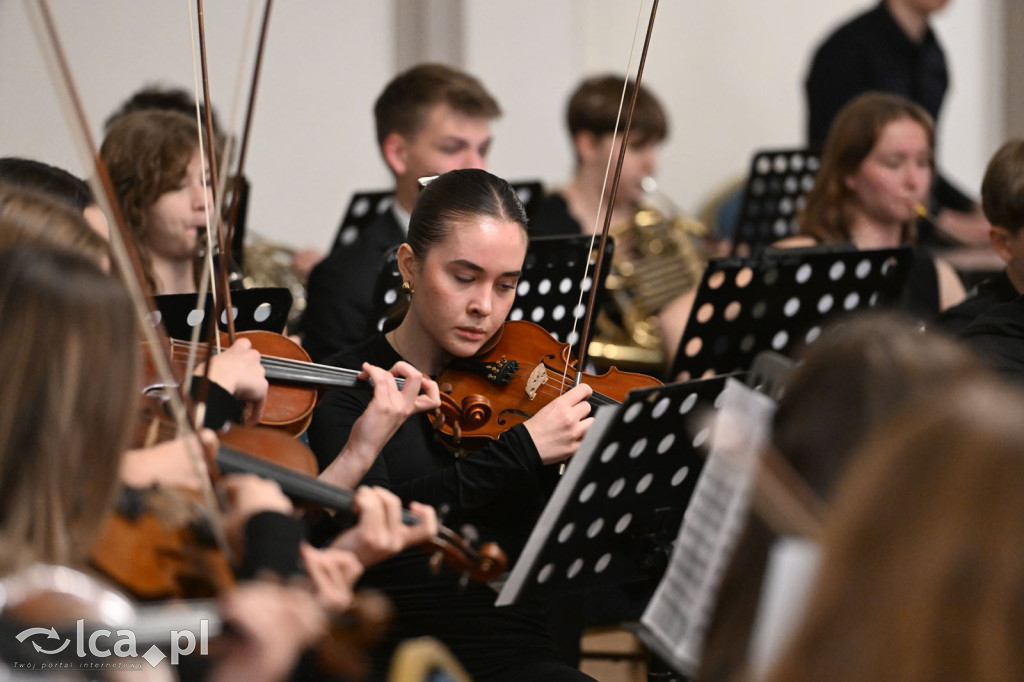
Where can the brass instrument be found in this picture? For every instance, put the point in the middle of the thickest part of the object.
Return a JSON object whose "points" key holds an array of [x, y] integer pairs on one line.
{"points": [[268, 264], [659, 256]]}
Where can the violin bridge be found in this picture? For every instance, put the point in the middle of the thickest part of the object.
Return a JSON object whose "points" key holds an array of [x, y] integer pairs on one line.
{"points": [[538, 377]]}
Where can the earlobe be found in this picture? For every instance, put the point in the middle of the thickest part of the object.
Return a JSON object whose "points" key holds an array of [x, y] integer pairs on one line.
{"points": [[393, 150]]}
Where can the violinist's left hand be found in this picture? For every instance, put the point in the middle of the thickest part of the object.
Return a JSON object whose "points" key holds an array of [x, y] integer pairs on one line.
{"points": [[386, 412], [238, 371], [333, 573], [381, 533]]}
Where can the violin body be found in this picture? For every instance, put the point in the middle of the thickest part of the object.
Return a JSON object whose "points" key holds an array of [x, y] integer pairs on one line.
{"points": [[158, 544], [510, 381]]}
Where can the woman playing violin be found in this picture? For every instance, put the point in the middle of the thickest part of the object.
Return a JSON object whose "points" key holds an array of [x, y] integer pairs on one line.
{"points": [[465, 250], [67, 405]]}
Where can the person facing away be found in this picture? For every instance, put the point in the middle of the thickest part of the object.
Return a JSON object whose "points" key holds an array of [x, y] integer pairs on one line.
{"points": [[864, 368], [1002, 198], [429, 119], [921, 570], [876, 169], [55, 182], [461, 261], [890, 48], [657, 319]]}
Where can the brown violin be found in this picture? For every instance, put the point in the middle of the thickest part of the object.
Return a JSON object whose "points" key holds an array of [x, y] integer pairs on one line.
{"points": [[161, 543], [295, 381], [520, 372]]}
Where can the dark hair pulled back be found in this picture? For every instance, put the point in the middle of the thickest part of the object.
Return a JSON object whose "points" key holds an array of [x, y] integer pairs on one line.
{"points": [[459, 196]]}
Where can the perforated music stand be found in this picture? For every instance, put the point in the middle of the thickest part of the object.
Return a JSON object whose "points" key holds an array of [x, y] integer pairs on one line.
{"points": [[777, 185], [364, 207], [615, 512], [780, 299], [548, 290], [264, 308]]}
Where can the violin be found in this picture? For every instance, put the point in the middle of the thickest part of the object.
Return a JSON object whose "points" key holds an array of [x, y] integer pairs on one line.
{"points": [[162, 543], [295, 381], [449, 548], [519, 372]]}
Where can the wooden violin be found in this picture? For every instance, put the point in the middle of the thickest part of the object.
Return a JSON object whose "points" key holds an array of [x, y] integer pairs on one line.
{"points": [[517, 374], [295, 381], [162, 543]]}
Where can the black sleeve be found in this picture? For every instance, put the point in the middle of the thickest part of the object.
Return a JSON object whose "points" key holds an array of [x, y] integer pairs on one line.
{"points": [[467, 483], [835, 77], [271, 544], [998, 337], [221, 406]]}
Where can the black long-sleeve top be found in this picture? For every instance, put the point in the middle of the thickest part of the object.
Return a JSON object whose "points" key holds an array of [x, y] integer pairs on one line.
{"points": [[498, 490]]}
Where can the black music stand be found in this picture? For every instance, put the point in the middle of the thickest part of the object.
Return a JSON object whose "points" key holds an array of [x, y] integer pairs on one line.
{"points": [[777, 185], [780, 299], [615, 512], [362, 210], [364, 207], [548, 290], [264, 308]]}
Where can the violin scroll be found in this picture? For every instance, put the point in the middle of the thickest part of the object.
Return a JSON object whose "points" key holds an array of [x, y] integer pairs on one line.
{"points": [[483, 565]]}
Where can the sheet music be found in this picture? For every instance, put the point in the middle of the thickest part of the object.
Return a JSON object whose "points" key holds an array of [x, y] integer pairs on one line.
{"points": [[676, 618]]}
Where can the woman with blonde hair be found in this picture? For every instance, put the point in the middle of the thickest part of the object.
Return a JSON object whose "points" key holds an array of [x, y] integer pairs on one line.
{"points": [[876, 170]]}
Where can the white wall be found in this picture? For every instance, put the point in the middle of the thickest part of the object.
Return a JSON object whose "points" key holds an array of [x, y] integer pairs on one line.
{"points": [[312, 141], [729, 71]]}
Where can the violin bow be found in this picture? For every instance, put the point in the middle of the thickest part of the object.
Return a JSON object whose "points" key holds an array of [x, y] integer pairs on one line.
{"points": [[599, 264], [122, 245], [237, 180], [222, 298]]}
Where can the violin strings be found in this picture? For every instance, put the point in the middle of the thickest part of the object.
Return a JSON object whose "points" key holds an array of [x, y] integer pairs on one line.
{"points": [[300, 370]]}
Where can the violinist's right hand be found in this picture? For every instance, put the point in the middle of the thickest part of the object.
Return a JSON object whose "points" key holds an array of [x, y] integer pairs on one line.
{"points": [[239, 372], [271, 626], [387, 411], [558, 428]]}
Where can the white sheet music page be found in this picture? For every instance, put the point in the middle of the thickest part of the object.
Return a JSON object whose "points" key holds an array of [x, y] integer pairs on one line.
{"points": [[676, 618]]}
